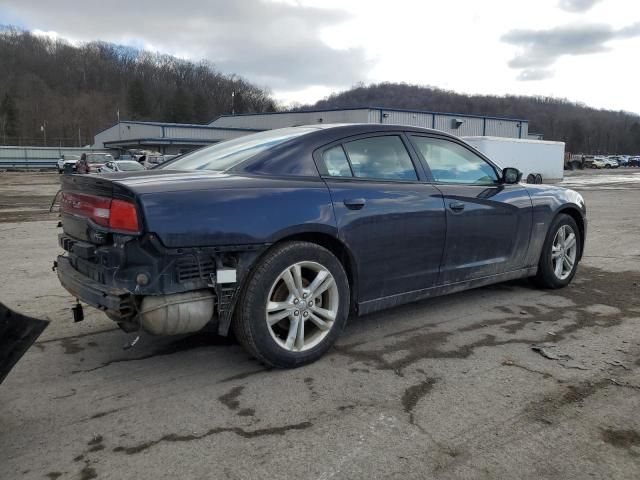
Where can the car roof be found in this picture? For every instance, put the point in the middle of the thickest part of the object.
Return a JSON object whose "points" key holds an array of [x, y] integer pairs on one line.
{"points": [[294, 156]]}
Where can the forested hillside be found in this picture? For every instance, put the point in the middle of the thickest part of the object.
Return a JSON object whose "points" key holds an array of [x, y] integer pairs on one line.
{"points": [[66, 88], [79, 89], [584, 129]]}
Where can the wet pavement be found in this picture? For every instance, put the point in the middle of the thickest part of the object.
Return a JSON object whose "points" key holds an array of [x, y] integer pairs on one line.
{"points": [[445, 388]]}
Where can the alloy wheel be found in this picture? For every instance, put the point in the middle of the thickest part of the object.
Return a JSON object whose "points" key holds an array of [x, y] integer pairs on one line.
{"points": [[564, 251], [302, 306]]}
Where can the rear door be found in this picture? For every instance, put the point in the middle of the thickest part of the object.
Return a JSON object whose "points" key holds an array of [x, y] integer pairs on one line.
{"points": [[488, 222], [393, 222]]}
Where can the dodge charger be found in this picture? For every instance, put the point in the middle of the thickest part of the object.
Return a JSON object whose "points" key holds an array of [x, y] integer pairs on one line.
{"points": [[280, 235]]}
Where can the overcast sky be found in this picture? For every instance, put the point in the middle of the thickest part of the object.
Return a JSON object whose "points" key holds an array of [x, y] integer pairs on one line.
{"points": [[584, 50]]}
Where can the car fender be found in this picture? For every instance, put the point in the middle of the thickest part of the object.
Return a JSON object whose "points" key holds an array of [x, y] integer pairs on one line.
{"points": [[547, 202]]}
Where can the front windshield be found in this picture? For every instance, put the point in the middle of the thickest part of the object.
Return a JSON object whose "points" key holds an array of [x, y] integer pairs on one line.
{"points": [[130, 166], [99, 158], [224, 155]]}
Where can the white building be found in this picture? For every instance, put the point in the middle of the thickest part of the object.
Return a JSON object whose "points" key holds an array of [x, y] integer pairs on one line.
{"points": [[177, 138]]}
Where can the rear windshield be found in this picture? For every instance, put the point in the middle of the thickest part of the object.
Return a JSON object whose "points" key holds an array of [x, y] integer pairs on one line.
{"points": [[99, 158], [224, 155], [129, 166]]}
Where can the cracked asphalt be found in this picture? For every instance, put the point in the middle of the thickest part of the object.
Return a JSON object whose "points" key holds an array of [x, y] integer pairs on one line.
{"points": [[445, 388]]}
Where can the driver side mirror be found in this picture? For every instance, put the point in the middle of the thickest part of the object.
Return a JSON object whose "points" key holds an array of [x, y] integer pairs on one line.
{"points": [[511, 175]]}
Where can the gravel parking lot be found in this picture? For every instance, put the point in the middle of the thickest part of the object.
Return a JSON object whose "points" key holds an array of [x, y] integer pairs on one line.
{"points": [[444, 388]]}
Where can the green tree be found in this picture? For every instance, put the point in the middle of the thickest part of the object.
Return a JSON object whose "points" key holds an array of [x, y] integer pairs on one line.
{"points": [[137, 100], [8, 118], [181, 107], [200, 108]]}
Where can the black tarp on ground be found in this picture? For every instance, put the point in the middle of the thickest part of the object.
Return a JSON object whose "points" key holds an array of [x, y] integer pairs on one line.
{"points": [[17, 334]]}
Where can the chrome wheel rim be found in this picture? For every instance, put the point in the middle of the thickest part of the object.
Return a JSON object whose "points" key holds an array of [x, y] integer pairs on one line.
{"points": [[302, 306], [564, 251]]}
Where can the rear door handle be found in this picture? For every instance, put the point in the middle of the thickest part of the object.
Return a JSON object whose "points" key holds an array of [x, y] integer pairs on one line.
{"points": [[456, 206], [354, 203]]}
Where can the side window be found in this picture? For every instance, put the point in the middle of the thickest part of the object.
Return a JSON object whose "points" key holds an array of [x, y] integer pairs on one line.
{"points": [[336, 162], [452, 163], [382, 157]]}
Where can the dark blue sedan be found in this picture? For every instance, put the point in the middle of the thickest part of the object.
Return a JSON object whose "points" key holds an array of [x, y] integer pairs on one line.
{"points": [[282, 234]]}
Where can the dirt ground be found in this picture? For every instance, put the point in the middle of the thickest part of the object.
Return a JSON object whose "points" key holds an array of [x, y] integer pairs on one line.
{"points": [[446, 388]]}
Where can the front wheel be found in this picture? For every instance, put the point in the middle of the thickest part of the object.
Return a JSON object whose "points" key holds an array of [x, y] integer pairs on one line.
{"points": [[294, 306], [560, 253]]}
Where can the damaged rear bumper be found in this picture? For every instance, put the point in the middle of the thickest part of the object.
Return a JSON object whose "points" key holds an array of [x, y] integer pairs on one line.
{"points": [[116, 302]]}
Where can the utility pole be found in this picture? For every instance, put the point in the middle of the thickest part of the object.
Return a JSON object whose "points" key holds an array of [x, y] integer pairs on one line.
{"points": [[233, 111], [43, 129]]}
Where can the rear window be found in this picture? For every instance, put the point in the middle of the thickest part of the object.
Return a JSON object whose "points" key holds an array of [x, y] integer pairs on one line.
{"points": [[130, 166], [336, 163], [225, 155], [383, 157]]}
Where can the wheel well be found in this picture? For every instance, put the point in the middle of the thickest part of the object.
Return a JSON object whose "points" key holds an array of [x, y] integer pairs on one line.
{"points": [[336, 247], [577, 216]]}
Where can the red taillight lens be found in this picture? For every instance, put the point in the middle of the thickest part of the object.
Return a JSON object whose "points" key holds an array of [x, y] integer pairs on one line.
{"points": [[116, 214], [124, 216]]}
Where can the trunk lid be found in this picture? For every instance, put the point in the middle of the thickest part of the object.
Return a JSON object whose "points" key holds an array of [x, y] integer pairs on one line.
{"points": [[87, 207]]}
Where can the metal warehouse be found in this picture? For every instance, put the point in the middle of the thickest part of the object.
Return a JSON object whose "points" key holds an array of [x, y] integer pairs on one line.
{"points": [[178, 138], [164, 137]]}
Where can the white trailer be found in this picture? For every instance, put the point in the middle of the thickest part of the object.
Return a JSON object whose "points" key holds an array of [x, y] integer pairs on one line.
{"points": [[528, 156]]}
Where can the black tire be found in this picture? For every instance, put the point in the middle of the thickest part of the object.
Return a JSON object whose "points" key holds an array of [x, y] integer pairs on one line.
{"points": [[250, 326], [531, 178], [546, 277], [538, 179], [607, 166]]}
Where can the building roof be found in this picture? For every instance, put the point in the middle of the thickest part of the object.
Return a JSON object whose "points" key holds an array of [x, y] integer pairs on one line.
{"points": [[429, 112], [182, 125]]}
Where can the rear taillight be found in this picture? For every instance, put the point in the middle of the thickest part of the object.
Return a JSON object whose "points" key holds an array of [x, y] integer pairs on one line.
{"points": [[124, 216], [116, 214]]}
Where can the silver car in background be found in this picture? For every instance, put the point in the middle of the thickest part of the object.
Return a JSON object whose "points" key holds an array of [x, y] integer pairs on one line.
{"points": [[121, 166]]}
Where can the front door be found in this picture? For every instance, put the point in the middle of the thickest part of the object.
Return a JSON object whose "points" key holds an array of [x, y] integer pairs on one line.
{"points": [[488, 222], [391, 221]]}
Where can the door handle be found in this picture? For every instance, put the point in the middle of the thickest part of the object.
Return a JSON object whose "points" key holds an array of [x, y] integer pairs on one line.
{"points": [[456, 206], [354, 203]]}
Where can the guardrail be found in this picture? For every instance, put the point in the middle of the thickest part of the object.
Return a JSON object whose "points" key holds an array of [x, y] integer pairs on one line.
{"points": [[38, 157]]}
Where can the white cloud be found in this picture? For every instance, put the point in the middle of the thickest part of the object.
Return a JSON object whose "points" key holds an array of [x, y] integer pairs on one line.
{"points": [[304, 49]]}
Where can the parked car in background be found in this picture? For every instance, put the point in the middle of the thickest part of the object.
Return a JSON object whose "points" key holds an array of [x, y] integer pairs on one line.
{"points": [[621, 160], [634, 161], [93, 162], [121, 166], [604, 162], [280, 235], [153, 159], [574, 161], [68, 160]]}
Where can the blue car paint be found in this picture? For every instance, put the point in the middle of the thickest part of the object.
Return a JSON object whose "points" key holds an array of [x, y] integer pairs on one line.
{"points": [[403, 243], [397, 238], [237, 215], [490, 236]]}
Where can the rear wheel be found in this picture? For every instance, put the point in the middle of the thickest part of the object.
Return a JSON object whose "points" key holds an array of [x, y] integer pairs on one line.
{"points": [[294, 306], [560, 253]]}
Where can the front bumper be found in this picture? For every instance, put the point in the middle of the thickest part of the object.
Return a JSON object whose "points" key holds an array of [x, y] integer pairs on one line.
{"points": [[116, 302]]}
